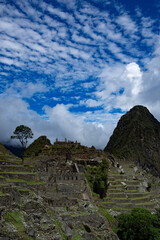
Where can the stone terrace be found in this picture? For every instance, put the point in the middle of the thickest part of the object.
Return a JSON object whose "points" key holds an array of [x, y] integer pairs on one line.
{"points": [[16, 180], [133, 188]]}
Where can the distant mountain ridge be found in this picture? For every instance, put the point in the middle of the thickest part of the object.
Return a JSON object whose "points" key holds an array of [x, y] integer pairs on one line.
{"points": [[4, 150], [16, 150], [137, 138]]}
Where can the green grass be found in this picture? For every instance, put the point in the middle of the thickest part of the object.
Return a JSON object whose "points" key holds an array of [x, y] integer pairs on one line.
{"points": [[58, 225], [143, 193], [12, 165], [49, 212], [16, 219], [25, 173], [119, 193], [119, 209], [3, 194], [116, 198], [27, 190], [21, 204], [24, 189], [15, 180], [106, 214], [145, 197], [35, 183], [125, 203], [24, 181], [79, 214], [146, 203], [77, 237], [116, 185], [3, 184], [117, 174]]}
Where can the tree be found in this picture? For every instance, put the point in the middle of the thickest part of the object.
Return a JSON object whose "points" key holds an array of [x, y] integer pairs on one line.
{"points": [[98, 178], [22, 133], [139, 224]]}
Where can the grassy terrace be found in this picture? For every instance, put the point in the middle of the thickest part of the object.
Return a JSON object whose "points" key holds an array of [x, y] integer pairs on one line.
{"points": [[117, 174], [3, 194], [12, 165], [144, 204], [31, 173], [16, 166], [24, 189], [124, 199], [18, 180]]}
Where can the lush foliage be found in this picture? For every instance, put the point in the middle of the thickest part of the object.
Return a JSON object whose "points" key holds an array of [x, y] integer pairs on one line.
{"points": [[98, 178], [140, 224], [22, 133], [37, 146]]}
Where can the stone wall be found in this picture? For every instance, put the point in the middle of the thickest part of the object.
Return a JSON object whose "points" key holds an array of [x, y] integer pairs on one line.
{"points": [[5, 200], [5, 168], [70, 177], [25, 176], [61, 202]]}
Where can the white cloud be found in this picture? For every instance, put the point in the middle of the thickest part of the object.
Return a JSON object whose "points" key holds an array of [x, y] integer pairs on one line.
{"points": [[57, 123], [69, 48], [127, 24], [120, 77], [90, 103], [24, 90], [134, 76], [6, 60]]}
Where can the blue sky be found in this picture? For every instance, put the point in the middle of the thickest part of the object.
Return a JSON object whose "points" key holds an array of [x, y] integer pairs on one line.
{"points": [[71, 68]]}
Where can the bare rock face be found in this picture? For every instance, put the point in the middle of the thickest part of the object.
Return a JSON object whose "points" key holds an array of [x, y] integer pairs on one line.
{"points": [[137, 138]]}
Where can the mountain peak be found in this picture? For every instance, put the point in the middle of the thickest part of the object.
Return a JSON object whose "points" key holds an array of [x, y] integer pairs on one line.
{"points": [[137, 137]]}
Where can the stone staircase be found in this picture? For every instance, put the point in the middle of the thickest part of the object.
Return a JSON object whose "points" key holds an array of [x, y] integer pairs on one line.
{"points": [[133, 188]]}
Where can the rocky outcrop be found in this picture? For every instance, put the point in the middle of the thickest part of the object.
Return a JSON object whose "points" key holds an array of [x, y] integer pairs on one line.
{"points": [[137, 138]]}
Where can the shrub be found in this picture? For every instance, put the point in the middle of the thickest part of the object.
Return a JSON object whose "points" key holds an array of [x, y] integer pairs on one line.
{"points": [[98, 178], [140, 224]]}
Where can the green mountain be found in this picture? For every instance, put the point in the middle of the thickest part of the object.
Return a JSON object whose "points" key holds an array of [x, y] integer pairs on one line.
{"points": [[4, 151], [137, 138], [36, 147]]}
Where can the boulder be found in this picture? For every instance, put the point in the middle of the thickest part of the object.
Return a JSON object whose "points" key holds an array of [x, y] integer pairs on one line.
{"points": [[135, 169], [142, 189], [31, 232], [68, 230]]}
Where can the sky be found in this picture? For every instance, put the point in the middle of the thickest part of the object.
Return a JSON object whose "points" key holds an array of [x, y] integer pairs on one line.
{"points": [[71, 68]]}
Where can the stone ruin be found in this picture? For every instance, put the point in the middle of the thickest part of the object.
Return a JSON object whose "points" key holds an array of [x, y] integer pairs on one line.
{"points": [[66, 143], [65, 182]]}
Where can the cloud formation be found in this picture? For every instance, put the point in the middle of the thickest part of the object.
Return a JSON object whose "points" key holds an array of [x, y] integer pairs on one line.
{"points": [[71, 69]]}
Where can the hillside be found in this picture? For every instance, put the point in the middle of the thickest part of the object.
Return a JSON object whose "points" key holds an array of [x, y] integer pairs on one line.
{"points": [[49, 198], [37, 146], [4, 151], [137, 138]]}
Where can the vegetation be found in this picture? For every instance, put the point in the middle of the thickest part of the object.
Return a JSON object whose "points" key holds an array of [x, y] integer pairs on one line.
{"points": [[36, 147], [106, 214], [16, 219], [137, 137], [22, 133], [98, 178], [139, 224], [4, 151]]}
